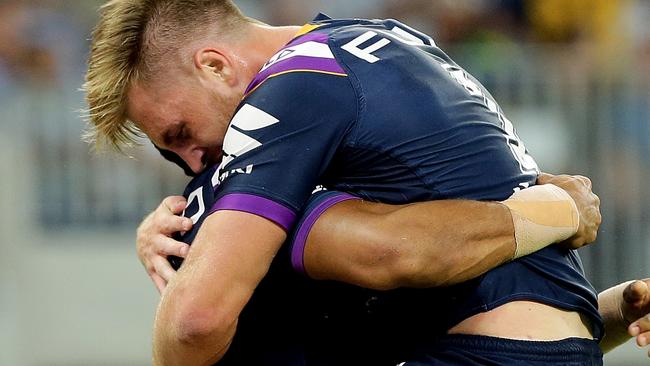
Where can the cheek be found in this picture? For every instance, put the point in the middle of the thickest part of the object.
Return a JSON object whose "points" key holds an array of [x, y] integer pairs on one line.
{"points": [[211, 134]]}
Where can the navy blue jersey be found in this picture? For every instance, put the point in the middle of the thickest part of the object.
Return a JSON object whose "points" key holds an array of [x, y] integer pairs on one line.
{"points": [[374, 108], [270, 328]]}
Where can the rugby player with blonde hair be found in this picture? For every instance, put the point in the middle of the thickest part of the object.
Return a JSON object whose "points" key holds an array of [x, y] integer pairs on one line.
{"points": [[373, 108]]}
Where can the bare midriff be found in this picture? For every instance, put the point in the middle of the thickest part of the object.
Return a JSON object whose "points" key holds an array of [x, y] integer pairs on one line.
{"points": [[526, 320]]}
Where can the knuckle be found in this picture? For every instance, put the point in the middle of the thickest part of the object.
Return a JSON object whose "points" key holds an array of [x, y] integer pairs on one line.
{"points": [[162, 250], [143, 228], [179, 221], [167, 226]]}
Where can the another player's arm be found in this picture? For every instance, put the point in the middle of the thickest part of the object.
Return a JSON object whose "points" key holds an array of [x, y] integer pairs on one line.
{"points": [[427, 244], [197, 315], [625, 309], [441, 242]]}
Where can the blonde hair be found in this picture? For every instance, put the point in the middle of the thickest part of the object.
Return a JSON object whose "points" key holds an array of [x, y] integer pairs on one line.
{"points": [[129, 43]]}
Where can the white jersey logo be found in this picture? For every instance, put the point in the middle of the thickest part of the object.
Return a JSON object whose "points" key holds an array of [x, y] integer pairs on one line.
{"points": [[526, 162], [196, 195], [365, 53], [237, 143], [307, 49], [407, 36]]}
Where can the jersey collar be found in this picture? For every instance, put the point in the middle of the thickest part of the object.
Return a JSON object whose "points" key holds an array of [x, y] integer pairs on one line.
{"points": [[311, 25]]}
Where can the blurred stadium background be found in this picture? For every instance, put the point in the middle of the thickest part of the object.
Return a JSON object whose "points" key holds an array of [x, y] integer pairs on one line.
{"points": [[571, 74]]}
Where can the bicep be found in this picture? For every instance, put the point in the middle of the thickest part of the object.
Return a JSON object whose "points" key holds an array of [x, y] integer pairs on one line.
{"points": [[351, 242], [230, 255]]}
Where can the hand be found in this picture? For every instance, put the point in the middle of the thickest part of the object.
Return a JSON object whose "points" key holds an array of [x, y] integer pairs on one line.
{"points": [[635, 309], [154, 242], [588, 203]]}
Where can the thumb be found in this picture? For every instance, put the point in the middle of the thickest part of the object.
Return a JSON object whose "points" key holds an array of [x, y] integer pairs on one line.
{"points": [[543, 178], [636, 292]]}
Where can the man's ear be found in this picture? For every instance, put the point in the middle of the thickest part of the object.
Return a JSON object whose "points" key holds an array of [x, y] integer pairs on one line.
{"points": [[214, 63]]}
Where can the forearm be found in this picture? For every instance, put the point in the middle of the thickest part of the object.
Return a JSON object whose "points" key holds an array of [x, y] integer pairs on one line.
{"points": [[455, 242], [430, 244], [198, 313], [609, 305], [382, 246]]}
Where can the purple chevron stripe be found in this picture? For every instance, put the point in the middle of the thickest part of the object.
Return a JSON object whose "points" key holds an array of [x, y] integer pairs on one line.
{"points": [[316, 64]]}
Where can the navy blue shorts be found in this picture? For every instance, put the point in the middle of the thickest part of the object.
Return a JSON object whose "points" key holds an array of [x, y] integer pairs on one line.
{"points": [[460, 349]]}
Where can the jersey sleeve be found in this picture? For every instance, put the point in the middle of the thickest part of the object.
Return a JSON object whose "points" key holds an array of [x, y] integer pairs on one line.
{"points": [[281, 141], [318, 203]]}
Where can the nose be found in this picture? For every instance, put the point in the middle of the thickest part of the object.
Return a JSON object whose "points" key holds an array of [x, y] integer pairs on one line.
{"points": [[195, 158]]}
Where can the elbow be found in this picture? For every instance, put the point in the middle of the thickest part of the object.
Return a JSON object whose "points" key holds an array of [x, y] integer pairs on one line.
{"points": [[194, 328], [190, 329], [198, 326]]}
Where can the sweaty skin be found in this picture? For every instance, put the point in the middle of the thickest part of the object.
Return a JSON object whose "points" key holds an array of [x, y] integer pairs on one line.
{"points": [[409, 246]]}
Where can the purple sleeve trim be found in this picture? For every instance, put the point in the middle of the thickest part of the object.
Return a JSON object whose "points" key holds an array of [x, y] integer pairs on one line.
{"points": [[258, 206], [298, 247]]}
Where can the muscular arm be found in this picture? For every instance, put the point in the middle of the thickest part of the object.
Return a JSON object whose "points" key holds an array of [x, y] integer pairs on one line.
{"points": [[421, 245], [437, 243], [197, 315]]}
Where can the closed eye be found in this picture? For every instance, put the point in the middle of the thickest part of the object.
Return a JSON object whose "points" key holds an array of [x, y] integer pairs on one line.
{"points": [[182, 133]]}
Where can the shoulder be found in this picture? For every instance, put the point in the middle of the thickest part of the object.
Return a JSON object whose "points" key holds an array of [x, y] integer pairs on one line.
{"points": [[306, 55], [304, 80]]}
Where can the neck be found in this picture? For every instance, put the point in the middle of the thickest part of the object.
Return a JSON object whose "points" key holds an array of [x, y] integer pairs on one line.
{"points": [[264, 41]]}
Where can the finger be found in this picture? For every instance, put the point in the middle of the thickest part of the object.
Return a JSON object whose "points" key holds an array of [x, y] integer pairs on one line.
{"points": [[159, 282], [571, 243], [174, 204], [166, 246], [544, 178], [635, 292], [163, 268], [586, 181], [640, 327], [170, 224]]}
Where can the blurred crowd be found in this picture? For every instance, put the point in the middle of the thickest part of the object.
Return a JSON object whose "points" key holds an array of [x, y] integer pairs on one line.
{"points": [[40, 39], [43, 42]]}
